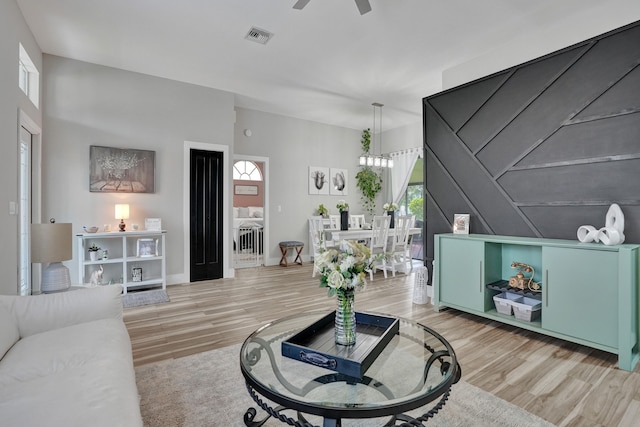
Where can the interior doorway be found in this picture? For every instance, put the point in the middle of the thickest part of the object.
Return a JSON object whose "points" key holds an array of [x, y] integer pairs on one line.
{"points": [[250, 228]]}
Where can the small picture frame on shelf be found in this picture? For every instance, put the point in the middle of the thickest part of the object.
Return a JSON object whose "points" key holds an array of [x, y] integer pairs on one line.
{"points": [[153, 224], [136, 274], [147, 248], [461, 224]]}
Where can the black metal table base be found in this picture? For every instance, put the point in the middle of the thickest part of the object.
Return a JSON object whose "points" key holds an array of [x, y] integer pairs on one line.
{"points": [[403, 419]]}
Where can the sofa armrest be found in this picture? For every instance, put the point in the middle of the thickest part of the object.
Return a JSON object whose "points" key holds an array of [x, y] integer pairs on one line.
{"points": [[41, 313]]}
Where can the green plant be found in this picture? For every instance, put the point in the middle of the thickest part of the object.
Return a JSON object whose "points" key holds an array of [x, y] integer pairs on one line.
{"points": [[368, 181], [342, 206], [416, 207], [322, 210], [94, 248]]}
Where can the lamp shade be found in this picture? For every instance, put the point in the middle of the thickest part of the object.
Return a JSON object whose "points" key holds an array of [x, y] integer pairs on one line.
{"points": [[51, 242], [122, 211]]}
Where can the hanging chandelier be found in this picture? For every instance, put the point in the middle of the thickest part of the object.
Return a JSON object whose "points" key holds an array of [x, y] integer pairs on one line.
{"points": [[373, 160]]}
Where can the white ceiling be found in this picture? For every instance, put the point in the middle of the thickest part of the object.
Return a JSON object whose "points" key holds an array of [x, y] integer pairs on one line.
{"points": [[326, 63]]}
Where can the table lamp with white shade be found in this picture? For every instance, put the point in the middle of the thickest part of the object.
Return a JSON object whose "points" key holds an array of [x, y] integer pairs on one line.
{"points": [[52, 243], [122, 213]]}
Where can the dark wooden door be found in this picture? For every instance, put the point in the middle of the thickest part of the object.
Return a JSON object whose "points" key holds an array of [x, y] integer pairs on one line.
{"points": [[206, 215]]}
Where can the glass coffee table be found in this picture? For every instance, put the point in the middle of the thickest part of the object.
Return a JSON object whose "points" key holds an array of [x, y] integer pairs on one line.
{"points": [[414, 370]]}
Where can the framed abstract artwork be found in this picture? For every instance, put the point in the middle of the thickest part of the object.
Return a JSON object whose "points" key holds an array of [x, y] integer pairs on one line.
{"points": [[318, 180], [338, 182], [121, 170]]}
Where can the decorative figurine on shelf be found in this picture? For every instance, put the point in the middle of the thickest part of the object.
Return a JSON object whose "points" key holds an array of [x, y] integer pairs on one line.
{"points": [[96, 276], [611, 234], [519, 281]]}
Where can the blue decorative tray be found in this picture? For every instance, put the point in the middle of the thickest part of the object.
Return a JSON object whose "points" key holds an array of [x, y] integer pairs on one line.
{"points": [[316, 343]]}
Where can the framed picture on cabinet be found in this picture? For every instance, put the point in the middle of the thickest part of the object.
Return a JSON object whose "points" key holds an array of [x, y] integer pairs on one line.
{"points": [[153, 224], [147, 248], [461, 224]]}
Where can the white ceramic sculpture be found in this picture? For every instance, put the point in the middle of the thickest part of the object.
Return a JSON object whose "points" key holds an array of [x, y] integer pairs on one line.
{"points": [[611, 234], [96, 277]]}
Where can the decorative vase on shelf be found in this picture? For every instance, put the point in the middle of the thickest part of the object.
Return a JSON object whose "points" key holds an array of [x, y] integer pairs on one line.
{"points": [[345, 327], [344, 220], [93, 255], [392, 214]]}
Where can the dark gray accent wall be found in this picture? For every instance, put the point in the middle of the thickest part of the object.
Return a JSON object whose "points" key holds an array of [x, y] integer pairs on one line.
{"points": [[541, 148]]}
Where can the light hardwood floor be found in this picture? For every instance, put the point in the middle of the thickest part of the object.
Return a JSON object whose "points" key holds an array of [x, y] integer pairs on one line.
{"points": [[564, 383]]}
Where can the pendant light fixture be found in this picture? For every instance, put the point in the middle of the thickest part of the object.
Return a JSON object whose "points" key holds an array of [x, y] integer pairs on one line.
{"points": [[373, 160]]}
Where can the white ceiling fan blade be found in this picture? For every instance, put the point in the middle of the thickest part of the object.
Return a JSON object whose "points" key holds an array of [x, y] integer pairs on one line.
{"points": [[363, 6], [300, 4]]}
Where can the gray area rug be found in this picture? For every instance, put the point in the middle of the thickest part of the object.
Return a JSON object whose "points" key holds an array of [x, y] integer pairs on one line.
{"points": [[207, 389], [137, 299]]}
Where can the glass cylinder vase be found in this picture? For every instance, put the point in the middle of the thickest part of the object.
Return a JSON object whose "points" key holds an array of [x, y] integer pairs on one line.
{"points": [[345, 328]]}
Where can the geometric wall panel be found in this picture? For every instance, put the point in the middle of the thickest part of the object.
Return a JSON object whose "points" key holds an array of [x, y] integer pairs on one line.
{"points": [[541, 148]]}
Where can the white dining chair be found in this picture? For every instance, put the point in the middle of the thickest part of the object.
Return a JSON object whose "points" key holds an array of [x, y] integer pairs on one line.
{"points": [[334, 222], [400, 251], [378, 244], [317, 239], [356, 221]]}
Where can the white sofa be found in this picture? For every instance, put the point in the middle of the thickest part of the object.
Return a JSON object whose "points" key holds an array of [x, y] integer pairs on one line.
{"points": [[66, 360]]}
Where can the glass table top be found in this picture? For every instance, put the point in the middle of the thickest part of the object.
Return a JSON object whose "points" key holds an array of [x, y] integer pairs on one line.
{"points": [[414, 368]]}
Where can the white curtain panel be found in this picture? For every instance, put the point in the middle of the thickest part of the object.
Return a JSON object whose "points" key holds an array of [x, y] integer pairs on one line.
{"points": [[403, 163]]}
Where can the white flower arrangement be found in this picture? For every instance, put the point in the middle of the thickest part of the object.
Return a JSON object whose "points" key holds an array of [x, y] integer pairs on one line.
{"points": [[344, 269], [342, 206], [390, 207]]}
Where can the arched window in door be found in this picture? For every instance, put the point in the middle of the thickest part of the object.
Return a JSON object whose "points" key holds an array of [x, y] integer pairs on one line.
{"points": [[246, 170]]}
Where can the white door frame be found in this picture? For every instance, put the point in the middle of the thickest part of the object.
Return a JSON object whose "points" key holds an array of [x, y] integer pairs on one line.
{"points": [[25, 121]]}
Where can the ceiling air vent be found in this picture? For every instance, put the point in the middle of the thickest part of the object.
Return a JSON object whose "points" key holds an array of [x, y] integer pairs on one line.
{"points": [[259, 36]]}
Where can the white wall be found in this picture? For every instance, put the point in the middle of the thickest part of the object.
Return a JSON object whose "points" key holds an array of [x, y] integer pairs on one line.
{"points": [[87, 104], [579, 22], [292, 145], [14, 30]]}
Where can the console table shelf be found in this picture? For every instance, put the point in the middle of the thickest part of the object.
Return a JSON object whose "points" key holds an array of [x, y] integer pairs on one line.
{"points": [[126, 251], [589, 290]]}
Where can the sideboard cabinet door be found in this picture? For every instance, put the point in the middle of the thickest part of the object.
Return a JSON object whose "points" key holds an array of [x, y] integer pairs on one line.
{"points": [[462, 273], [580, 294]]}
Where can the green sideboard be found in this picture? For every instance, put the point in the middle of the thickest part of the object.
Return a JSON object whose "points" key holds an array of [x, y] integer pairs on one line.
{"points": [[589, 291]]}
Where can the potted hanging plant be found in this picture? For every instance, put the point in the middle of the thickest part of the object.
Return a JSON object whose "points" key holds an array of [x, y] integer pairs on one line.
{"points": [[367, 180]]}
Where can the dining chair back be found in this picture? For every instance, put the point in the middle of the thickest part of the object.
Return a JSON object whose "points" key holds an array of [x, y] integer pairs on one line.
{"points": [[401, 243], [334, 222], [356, 221], [378, 244], [317, 239]]}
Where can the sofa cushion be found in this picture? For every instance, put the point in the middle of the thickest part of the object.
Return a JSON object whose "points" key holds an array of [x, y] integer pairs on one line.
{"points": [[8, 330], [41, 313], [102, 393], [65, 349], [243, 212]]}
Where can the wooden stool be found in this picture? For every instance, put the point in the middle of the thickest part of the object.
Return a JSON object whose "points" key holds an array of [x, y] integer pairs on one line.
{"points": [[284, 249]]}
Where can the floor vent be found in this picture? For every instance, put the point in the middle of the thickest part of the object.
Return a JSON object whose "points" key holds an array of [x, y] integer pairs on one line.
{"points": [[258, 35]]}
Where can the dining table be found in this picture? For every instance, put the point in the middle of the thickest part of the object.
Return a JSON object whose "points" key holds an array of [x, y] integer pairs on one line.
{"points": [[362, 233]]}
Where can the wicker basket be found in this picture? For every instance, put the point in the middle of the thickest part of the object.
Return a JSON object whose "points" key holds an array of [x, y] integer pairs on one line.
{"points": [[420, 295]]}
